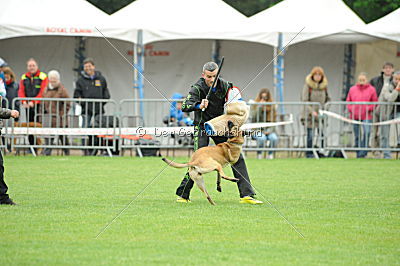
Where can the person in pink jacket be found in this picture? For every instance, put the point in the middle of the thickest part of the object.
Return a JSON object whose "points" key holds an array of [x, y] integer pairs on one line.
{"points": [[362, 92]]}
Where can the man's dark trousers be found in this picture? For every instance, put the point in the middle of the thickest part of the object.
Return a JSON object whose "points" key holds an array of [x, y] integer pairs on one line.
{"points": [[3, 186], [239, 168]]}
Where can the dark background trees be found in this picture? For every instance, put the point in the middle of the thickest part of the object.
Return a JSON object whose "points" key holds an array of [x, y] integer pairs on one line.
{"points": [[368, 10]]}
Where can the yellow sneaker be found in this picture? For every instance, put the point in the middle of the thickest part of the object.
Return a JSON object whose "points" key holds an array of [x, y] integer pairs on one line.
{"points": [[250, 200], [182, 200]]}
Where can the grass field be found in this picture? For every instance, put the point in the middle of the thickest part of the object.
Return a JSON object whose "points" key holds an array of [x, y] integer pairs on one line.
{"points": [[348, 211]]}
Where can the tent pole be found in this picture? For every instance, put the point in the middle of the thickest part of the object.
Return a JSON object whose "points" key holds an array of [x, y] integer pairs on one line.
{"points": [[215, 56], [349, 69], [135, 86], [140, 67], [275, 74], [80, 55], [280, 71]]}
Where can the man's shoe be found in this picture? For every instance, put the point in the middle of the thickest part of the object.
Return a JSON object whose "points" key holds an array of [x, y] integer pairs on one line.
{"points": [[182, 200], [8, 202], [250, 200]]}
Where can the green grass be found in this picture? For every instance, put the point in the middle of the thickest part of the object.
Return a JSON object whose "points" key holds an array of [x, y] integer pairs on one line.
{"points": [[348, 211]]}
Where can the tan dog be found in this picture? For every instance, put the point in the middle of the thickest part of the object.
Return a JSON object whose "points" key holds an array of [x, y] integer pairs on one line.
{"points": [[212, 158]]}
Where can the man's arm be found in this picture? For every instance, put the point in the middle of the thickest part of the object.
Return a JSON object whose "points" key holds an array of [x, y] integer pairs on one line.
{"points": [[7, 113], [106, 92], [192, 101], [21, 90], [78, 90]]}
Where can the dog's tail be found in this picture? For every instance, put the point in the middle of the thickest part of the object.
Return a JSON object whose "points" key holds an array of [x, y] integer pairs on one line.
{"points": [[174, 164]]}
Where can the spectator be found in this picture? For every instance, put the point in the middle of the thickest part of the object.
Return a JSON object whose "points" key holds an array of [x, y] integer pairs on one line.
{"points": [[264, 113], [11, 93], [385, 78], [91, 85], [390, 94], [3, 64], [176, 116], [315, 90], [361, 92], [57, 110], [11, 88], [32, 85]]}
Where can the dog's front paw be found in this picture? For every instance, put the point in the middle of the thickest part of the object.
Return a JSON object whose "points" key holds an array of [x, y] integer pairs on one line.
{"points": [[235, 180], [219, 189]]}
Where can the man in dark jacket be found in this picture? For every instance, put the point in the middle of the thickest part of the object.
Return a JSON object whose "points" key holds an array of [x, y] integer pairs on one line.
{"points": [[91, 85], [214, 107], [385, 77], [4, 198]]}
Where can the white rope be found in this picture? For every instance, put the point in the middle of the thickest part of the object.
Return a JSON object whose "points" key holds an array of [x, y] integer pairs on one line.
{"points": [[266, 124], [158, 131], [348, 120]]}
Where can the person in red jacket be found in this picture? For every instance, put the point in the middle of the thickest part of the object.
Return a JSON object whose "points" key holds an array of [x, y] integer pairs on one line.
{"points": [[362, 92], [32, 85]]}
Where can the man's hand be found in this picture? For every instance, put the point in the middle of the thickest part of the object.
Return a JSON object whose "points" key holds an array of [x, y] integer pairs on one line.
{"points": [[25, 105], [31, 104], [398, 86], [204, 103], [315, 114], [14, 114]]}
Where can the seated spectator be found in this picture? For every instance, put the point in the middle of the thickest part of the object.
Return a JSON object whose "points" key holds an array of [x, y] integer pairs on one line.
{"points": [[362, 92], [390, 94], [57, 110], [177, 118], [261, 113]]}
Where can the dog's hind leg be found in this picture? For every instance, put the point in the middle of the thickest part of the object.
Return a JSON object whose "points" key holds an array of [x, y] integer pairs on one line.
{"points": [[221, 172], [219, 182], [199, 180]]}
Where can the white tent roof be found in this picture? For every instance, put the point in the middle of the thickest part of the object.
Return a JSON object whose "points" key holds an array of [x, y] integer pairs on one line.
{"points": [[48, 17], [186, 19], [386, 27], [320, 18]]}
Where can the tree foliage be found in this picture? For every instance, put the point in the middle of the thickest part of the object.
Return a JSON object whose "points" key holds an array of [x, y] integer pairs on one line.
{"points": [[368, 10]]}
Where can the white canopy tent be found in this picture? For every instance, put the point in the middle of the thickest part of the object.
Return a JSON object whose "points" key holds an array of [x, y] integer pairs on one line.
{"points": [[371, 56], [48, 31], [22, 18], [385, 27], [180, 37], [319, 18], [326, 27], [165, 20]]}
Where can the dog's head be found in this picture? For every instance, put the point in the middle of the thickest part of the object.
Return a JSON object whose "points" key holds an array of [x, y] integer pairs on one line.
{"points": [[235, 135]]}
